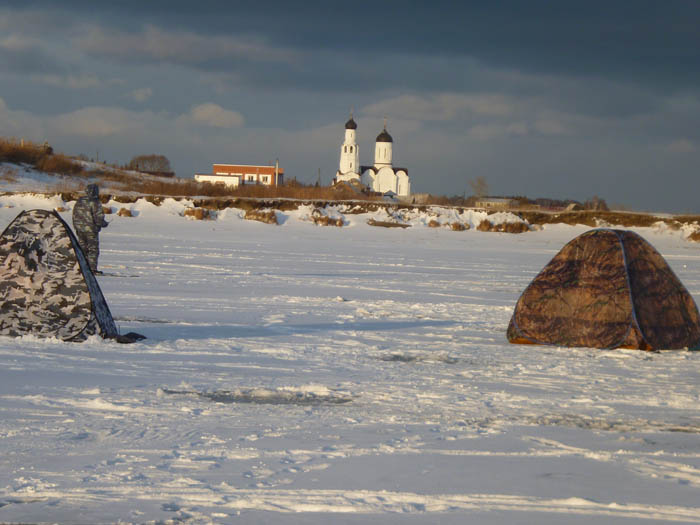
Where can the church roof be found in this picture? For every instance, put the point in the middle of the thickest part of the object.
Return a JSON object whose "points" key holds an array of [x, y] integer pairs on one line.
{"points": [[384, 136], [350, 124], [374, 169]]}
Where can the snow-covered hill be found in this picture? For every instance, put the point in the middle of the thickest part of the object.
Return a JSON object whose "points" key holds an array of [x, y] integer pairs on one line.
{"points": [[307, 374]]}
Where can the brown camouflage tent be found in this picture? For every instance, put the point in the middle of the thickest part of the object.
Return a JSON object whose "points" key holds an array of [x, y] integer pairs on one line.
{"points": [[46, 286], [607, 289]]}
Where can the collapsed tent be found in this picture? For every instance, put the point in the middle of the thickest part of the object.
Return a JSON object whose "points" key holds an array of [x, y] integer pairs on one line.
{"points": [[46, 285], [607, 289]]}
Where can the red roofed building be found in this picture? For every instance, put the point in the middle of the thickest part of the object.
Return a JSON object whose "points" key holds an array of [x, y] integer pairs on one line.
{"points": [[238, 174]]}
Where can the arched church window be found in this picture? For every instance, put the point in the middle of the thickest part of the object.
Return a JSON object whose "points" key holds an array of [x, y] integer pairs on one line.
{"points": [[345, 149], [350, 149]]}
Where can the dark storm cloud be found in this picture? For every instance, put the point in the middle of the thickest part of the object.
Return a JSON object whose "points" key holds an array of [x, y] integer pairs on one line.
{"points": [[650, 42]]}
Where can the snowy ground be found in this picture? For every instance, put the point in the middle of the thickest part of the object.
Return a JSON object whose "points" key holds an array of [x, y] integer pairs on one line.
{"points": [[306, 374]]}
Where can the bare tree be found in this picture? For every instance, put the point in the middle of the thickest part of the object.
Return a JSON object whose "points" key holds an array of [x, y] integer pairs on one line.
{"points": [[479, 186], [596, 203], [150, 163]]}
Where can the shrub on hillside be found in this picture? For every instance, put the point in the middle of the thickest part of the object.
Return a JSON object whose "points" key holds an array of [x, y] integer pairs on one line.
{"points": [[39, 156], [23, 152], [58, 164], [157, 163]]}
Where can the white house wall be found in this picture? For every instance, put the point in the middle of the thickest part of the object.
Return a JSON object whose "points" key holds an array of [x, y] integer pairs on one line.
{"points": [[228, 180]]}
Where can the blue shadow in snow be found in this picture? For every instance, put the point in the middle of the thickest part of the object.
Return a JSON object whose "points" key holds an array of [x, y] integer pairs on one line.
{"points": [[172, 331]]}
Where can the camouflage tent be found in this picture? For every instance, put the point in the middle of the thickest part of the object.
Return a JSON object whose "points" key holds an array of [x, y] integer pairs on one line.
{"points": [[607, 289], [46, 286]]}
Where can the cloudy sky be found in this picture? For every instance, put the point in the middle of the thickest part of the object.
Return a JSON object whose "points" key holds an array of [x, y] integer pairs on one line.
{"points": [[559, 99]]}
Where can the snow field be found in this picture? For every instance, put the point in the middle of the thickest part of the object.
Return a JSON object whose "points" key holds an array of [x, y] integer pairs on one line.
{"points": [[306, 374]]}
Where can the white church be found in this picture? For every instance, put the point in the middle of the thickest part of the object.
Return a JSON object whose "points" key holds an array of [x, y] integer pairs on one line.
{"points": [[381, 177]]}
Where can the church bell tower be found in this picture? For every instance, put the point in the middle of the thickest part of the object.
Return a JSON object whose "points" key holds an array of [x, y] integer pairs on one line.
{"points": [[349, 152]]}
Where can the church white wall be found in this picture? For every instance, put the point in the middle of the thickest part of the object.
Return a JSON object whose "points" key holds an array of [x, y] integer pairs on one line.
{"points": [[349, 154], [403, 184], [382, 178], [347, 177], [383, 152], [385, 180]]}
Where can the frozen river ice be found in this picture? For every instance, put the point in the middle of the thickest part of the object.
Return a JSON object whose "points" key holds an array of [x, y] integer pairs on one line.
{"points": [[302, 374]]}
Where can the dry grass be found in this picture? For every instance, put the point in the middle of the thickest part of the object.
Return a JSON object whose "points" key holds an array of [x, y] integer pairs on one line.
{"points": [[59, 164], [125, 212], [39, 156], [8, 174], [20, 152], [266, 216], [67, 187], [325, 220], [199, 214], [484, 226], [166, 187], [387, 224], [590, 218], [320, 219], [694, 237], [192, 188], [505, 227]]}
